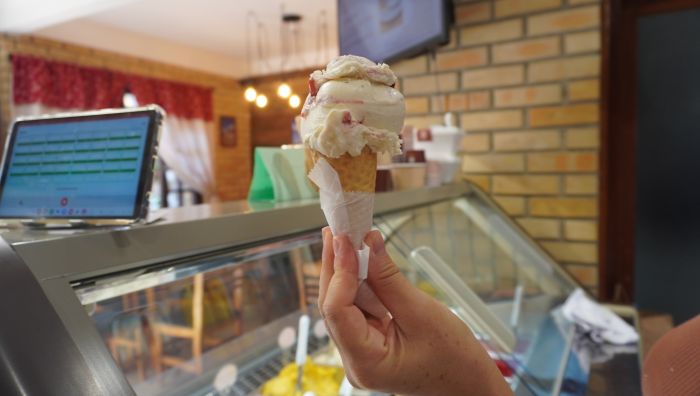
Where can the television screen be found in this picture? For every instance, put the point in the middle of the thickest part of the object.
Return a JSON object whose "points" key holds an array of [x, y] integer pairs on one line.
{"points": [[386, 30]]}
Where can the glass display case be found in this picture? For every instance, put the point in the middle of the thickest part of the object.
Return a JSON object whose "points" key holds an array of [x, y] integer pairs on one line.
{"points": [[221, 324], [207, 301], [472, 251]]}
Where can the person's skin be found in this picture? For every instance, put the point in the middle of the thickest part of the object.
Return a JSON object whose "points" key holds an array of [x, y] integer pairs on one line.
{"points": [[421, 349]]}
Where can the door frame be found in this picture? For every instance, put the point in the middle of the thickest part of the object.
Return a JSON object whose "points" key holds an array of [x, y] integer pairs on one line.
{"points": [[617, 206]]}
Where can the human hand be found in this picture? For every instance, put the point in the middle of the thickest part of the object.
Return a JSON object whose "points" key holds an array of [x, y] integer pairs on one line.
{"points": [[421, 349]]}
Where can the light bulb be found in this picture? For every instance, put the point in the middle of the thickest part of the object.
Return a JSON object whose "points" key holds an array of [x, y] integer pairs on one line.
{"points": [[261, 101], [294, 101], [250, 94], [129, 100], [283, 91]]}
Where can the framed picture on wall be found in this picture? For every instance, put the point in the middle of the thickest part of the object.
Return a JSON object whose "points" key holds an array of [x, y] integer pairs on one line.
{"points": [[228, 134]]}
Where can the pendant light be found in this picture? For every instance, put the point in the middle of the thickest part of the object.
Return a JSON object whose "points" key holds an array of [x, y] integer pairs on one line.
{"points": [[290, 53], [294, 101], [250, 94], [288, 32], [284, 90], [261, 101]]}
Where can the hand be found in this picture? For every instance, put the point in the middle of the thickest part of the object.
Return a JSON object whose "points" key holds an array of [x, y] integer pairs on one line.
{"points": [[421, 349]]}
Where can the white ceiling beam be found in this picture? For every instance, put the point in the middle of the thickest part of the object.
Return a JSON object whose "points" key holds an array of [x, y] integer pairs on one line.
{"points": [[25, 16]]}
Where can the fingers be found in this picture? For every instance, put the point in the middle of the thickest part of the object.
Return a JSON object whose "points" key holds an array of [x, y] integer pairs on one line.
{"points": [[327, 258], [367, 301], [345, 321], [386, 280]]}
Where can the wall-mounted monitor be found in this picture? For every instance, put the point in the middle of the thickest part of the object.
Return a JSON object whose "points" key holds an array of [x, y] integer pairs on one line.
{"points": [[387, 30]]}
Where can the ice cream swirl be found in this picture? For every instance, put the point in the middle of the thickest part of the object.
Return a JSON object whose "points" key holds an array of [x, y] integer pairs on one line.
{"points": [[353, 104]]}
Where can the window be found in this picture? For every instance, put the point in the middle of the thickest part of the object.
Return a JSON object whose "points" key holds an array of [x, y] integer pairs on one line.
{"points": [[167, 190]]}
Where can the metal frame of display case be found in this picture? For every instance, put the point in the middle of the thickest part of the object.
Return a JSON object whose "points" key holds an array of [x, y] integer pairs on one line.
{"points": [[48, 344]]}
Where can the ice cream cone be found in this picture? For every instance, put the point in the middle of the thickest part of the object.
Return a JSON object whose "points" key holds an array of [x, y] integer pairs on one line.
{"points": [[349, 202], [356, 174], [352, 113]]}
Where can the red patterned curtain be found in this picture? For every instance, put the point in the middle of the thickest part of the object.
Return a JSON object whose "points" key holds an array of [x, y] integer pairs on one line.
{"points": [[60, 85]]}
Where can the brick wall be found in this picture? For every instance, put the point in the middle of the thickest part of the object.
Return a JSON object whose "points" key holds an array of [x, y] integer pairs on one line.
{"points": [[232, 166], [523, 78]]}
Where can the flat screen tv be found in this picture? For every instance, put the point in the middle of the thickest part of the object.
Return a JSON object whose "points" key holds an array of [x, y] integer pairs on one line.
{"points": [[387, 30]]}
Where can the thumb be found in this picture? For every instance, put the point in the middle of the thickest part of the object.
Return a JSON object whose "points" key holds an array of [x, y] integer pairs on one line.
{"points": [[385, 278]]}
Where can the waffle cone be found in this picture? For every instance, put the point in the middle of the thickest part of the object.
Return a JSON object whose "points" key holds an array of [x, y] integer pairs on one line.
{"points": [[357, 174]]}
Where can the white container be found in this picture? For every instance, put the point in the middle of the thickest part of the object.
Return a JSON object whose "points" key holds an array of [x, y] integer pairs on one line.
{"points": [[442, 143], [441, 172], [441, 151], [408, 176]]}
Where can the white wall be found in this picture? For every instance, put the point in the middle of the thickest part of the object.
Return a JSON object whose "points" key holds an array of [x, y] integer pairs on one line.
{"points": [[95, 35]]}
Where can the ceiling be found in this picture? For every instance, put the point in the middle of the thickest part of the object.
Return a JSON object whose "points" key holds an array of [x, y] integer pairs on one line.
{"points": [[209, 35]]}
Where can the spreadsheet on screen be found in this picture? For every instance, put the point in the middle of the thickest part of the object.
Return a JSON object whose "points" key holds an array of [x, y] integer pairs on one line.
{"points": [[88, 168]]}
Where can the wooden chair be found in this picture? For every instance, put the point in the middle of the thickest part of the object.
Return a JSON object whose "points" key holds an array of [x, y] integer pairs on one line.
{"points": [[129, 337], [193, 333], [200, 335], [307, 276], [231, 326]]}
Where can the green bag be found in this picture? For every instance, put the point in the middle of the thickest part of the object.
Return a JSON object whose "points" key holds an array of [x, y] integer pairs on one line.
{"points": [[279, 175]]}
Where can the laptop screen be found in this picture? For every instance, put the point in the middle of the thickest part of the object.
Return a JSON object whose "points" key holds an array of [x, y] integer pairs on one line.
{"points": [[84, 167]]}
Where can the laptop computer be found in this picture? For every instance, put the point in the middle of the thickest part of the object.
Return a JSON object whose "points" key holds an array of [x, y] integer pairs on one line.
{"points": [[89, 168]]}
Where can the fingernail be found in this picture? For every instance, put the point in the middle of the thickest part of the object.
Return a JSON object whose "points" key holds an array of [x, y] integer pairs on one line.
{"points": [[344, 253], [377, 246]]}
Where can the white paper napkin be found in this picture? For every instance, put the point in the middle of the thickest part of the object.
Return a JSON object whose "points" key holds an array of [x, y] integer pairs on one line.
{"points": [[349, 213], [602, 323]]}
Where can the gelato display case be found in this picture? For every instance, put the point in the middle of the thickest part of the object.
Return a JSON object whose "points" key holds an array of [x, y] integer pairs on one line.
{"points": [[465, 252], [207, 300]]}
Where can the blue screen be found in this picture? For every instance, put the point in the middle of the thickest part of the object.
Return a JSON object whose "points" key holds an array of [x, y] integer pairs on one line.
{"points": [[382, 29], [76, 169]]}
